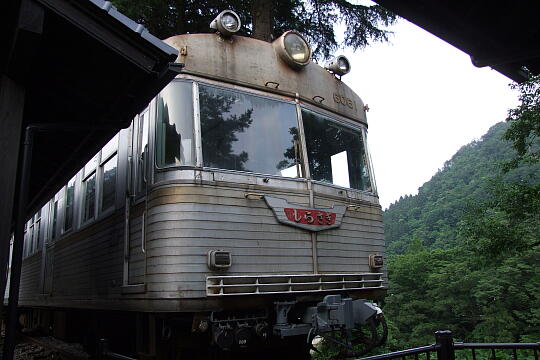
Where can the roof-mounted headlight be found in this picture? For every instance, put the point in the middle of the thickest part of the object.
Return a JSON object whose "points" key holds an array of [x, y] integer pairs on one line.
{"points": [[227, 23], [293, 49], [339, 65]]}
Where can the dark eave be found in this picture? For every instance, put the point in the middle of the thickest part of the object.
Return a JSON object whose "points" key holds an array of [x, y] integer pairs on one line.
{"points": [[502, 35], [87, 70]]}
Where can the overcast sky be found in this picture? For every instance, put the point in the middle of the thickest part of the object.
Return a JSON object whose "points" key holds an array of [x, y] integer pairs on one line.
{"points": [[426, 100]]}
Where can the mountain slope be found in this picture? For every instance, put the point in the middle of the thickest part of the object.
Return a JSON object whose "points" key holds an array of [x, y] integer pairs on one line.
{"points": [[432, 216]]}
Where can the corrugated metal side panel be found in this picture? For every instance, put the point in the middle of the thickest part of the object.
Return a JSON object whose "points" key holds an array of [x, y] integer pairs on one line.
{"points": [[185, 222], [347, 248], [30, 278], [48, 270], [89, 263], [136, 256]]}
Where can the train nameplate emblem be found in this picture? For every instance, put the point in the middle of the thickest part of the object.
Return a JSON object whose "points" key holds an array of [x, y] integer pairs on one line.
{"points": [[312, 219]]}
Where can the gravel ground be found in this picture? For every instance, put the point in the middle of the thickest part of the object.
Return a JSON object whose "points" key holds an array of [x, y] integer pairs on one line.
{"points": [[30, 351], [47, 348]]}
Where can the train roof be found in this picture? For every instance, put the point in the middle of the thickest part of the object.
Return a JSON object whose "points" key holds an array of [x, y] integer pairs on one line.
{"points": [[255, 63]]}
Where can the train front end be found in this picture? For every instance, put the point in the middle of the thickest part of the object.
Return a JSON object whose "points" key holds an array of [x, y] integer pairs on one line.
{"points": [[262, 214]]}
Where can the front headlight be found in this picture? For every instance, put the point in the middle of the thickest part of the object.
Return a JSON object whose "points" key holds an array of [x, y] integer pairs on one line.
{"points": [[230, 22], [293, 49], [227, 23], [339, 65]]}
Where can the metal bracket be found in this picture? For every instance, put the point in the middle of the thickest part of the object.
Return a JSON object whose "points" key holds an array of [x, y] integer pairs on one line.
{"points": [[333, 313]]}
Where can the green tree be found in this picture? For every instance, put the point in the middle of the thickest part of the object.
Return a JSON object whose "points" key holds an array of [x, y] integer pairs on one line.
{"points": [[508, 299], [524, 131], [469, 242], [430, 290], [433, 215], [509, 219], [267, 20]]}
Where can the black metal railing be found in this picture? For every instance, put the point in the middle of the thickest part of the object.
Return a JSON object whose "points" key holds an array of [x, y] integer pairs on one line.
{"points": [[445, 349], [409, 352], [492, 347]]}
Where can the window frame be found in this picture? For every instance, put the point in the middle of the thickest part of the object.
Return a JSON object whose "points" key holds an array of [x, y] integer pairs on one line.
{"points": [[38, 223], [64, 207], [340, 120], [140, 170], [52, 225], [370, 163], [32, 241], [152, 136], [84, 184], [197, 119], [101, 160], [25, 238], [100, 211], [30, 233], [100, 178]]}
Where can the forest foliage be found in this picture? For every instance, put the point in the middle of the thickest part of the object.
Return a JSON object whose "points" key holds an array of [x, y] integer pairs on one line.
{"points": [[267, 20], [464, 253]]}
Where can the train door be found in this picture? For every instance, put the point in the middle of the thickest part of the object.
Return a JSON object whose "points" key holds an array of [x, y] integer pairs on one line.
{"points": [[136, 243]]}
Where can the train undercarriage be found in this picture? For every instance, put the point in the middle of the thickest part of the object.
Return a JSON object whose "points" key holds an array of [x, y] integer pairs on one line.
{"points": [[289, 329]]}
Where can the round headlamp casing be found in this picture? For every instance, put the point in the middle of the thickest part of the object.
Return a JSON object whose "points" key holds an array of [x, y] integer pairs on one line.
{"points": [[339, 65], [227, 23], [293, 48]]}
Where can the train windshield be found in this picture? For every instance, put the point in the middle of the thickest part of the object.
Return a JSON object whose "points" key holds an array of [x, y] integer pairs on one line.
{"points": [[252, 133], [248, 132], [336, 153], [174, 126]]}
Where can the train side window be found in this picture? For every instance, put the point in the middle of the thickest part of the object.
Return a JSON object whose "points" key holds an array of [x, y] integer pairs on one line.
{"points": [[108, 189], [89, 190], [175, 140], [68, 205], [107, 173], [25, 244], [32, 233], [53, 216], [30, 236], [141, 152], [37, 231], [89, 197]]}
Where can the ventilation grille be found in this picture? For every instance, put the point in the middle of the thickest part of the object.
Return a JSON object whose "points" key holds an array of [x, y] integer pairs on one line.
{"points": [[298, 283]]}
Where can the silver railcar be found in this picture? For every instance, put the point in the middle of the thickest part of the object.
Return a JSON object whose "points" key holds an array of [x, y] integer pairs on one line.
{"points": [[242, 201]]}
